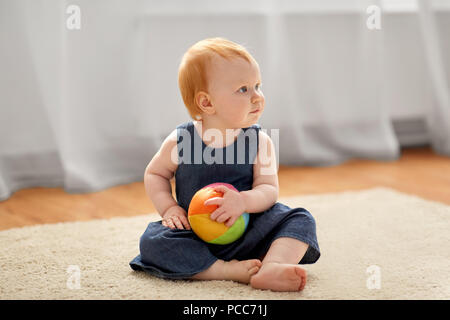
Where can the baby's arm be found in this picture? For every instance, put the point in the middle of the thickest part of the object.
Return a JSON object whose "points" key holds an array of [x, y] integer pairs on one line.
{"points": [[264, 192], [262, 196], [157, 183]]}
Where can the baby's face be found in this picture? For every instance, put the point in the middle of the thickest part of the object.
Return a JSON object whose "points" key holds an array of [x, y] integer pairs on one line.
{"points": [[234, 87]]}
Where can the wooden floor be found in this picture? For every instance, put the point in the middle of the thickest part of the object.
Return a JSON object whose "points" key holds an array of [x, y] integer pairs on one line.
{"points": [[419, 171]]}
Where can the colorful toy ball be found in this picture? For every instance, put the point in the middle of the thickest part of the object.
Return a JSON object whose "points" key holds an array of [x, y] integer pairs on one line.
{"points": [[209, 230]]}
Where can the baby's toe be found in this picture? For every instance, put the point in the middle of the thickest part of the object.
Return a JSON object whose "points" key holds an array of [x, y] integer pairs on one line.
{"points": [[253, 270], [254, 263], [301, 273]]}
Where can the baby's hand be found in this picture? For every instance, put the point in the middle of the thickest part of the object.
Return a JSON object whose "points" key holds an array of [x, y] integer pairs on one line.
{"points": [[231, 206], [176, 218]]}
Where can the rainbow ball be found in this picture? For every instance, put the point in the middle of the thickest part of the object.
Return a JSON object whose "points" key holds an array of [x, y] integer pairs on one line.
{"points": [[209, 230]]}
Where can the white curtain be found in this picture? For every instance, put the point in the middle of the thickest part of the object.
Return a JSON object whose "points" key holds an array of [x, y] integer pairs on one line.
{"points": [[438, 62], [325, 85], [87, 109]]}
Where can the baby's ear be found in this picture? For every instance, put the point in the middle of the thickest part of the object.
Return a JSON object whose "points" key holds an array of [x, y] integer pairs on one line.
{"points": [[204, 102]]}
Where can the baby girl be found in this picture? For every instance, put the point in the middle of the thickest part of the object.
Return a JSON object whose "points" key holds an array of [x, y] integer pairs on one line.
{"points": [[220, 84]]}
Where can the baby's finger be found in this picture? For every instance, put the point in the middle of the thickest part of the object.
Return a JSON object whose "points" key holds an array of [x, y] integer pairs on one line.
{"points": [[185, 223], [216, 213], [230, 222], [170, 224], [222, 218], [222, 189], [177, 223], [215, 200]]}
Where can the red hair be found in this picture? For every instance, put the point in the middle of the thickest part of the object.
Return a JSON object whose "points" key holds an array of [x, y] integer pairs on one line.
{"points": [[193, 66]]}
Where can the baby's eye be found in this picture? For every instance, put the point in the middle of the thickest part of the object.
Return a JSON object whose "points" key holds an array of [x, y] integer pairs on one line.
{"points": [[258, 86], [243, 89]]}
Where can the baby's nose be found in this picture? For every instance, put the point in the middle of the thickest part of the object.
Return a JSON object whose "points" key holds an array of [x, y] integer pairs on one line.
{"points": [[257, 96]]}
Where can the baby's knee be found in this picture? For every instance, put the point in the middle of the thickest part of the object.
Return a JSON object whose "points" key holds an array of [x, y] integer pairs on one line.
{"points": [[148, 246], [305, 216], [312, 221]]}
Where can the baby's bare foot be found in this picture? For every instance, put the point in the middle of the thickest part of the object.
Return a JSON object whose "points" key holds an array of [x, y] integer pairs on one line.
{"points": [[279, 277], [241, 271]]}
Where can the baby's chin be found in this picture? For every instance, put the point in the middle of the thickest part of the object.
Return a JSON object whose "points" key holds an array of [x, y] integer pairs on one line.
{"points": [[251, 123]]}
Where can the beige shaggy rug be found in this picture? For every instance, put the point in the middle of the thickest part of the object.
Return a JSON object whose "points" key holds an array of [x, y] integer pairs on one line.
{"points": [[375, 244]]}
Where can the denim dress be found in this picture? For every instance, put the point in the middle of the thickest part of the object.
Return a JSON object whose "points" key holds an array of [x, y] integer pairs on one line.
{"points": [[180, 254]]}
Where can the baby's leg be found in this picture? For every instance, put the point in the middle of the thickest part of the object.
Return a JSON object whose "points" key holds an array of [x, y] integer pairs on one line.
{"points": [[235, 270], [280, 270]]}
